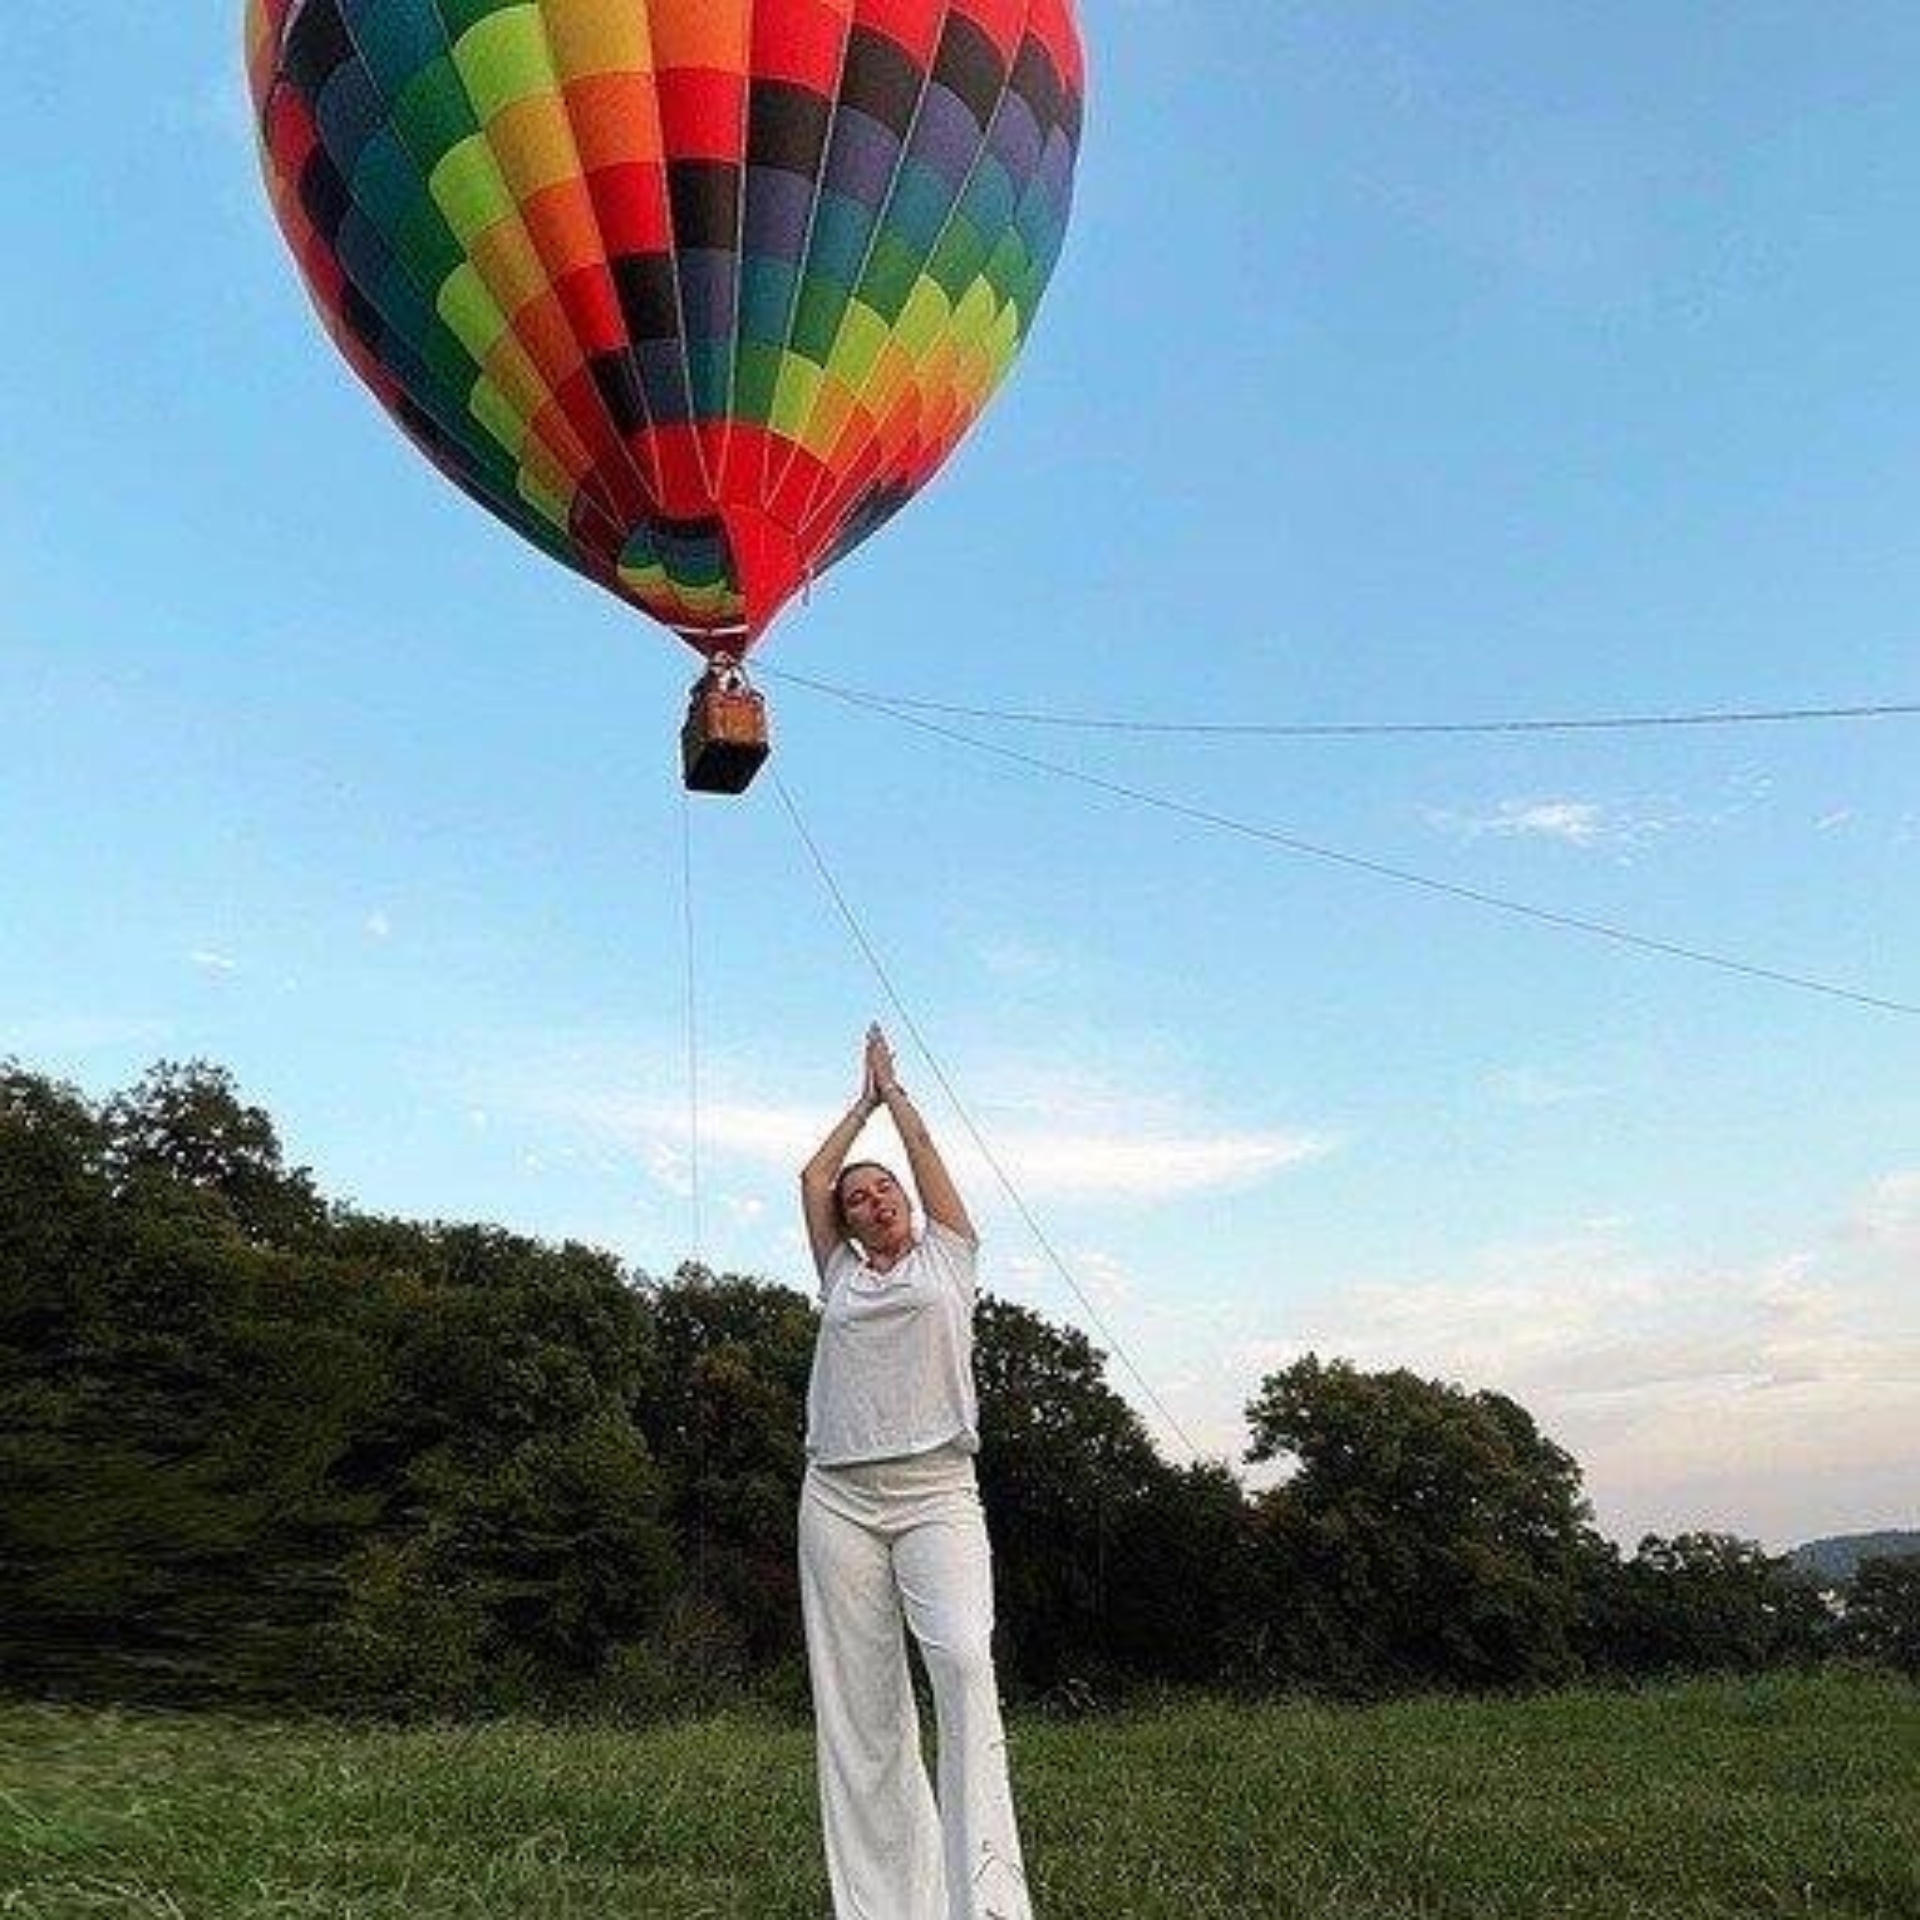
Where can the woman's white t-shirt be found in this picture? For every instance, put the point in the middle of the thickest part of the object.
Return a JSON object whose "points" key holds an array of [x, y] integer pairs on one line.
{"points": [[893, 1360]]}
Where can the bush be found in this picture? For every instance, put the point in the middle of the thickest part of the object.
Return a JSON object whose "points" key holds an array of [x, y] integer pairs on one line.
{"points": [[693, 1662], [405, 1641]]}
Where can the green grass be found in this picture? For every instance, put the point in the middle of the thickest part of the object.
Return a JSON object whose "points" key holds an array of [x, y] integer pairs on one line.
{"points": [[1712, 1801]]}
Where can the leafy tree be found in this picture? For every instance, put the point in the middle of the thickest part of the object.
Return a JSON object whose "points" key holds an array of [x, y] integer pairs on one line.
{"points": [[1063, 1460], [244, 1439], [1883, 1613], [55, 1209], [185, 1124], [1708, 1602], [259, 1449], [522, 1525], [724, 1409], [1174, 1589], [563, 1542], [167, 1533], [1428, 1536]]}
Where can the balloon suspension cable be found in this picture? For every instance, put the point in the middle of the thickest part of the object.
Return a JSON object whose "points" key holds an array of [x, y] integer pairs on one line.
{"points": [[959, 1106], [693, 1029]]}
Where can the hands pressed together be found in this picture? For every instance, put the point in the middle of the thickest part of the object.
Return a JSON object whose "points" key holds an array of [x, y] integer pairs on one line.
{"points": [[879, 1087], [879, 1082]]}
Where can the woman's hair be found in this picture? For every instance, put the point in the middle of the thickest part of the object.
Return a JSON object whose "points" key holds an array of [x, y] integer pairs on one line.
{"points": [[840, 1180]]}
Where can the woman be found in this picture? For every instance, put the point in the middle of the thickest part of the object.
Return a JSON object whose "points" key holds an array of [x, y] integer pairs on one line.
{"points": [[891, 1523]]}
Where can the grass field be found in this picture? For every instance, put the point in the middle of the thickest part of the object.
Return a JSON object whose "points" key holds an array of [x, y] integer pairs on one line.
{"points": [[1723, 1800]]}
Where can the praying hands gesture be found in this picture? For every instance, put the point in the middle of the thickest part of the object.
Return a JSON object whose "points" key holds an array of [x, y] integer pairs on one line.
{"points": [[879, 1087], [881, 1080]]}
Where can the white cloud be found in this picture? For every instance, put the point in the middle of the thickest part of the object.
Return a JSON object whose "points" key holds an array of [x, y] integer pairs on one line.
{"points": [[1159, 1165], [1778, 1397], [1574, 823], [208, 961], [1620, 827], [669, 1167], [1531, 1087], [1102, 1276], [1579, 821], [379, 926], [1158, 1162], [1888, 1217], [1061, 1133]]}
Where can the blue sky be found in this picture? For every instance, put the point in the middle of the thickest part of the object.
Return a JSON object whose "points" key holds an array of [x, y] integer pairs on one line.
{"points": [[1405, 362]]}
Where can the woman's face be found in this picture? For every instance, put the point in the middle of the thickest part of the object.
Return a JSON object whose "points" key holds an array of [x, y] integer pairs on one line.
{"points": [[876, 1211]]}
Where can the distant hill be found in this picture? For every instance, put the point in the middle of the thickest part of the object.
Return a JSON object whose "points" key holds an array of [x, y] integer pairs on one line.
{"points": [[1838, 1558]]}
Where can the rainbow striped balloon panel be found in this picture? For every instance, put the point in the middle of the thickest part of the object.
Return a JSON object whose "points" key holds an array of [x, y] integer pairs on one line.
{"points": [[694, 294]]}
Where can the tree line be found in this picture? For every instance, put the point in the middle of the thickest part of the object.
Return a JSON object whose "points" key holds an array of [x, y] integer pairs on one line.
{"points": [[259, 1449]]}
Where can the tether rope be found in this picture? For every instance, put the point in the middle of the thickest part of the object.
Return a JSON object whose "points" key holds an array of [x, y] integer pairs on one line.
{"points": [[1405, 876], [992, 1159], [693, 1028], [1354, 729]]}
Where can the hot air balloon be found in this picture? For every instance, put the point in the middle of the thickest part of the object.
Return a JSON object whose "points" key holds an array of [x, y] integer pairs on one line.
{"points": [[693, 294]]}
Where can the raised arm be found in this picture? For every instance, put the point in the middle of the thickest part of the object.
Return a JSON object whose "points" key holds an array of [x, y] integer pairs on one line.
{"points": [[818, 1175], [938, 1195]]}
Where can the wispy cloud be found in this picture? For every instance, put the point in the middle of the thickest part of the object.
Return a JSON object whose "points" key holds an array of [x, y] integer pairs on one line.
{"points": [[210, 961], [1619, 827], [1103, 1276], [1534, 1087], [1157, 1164], [1063, 1134], [1175, 1333], [1769, 1395], [667, 1165], [1574, 823], [1888, 1217], [1776, 1395], [378, 925], [1581, 822]]}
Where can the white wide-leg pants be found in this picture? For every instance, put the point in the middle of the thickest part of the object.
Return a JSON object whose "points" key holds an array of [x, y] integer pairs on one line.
{"points": [[879, 1539]]}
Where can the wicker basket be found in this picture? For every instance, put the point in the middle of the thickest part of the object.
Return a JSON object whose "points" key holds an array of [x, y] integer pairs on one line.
{"points": [[724, 741]]}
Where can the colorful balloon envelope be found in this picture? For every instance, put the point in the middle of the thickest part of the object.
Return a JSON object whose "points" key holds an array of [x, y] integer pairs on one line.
{"points": [[694, 294]]}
